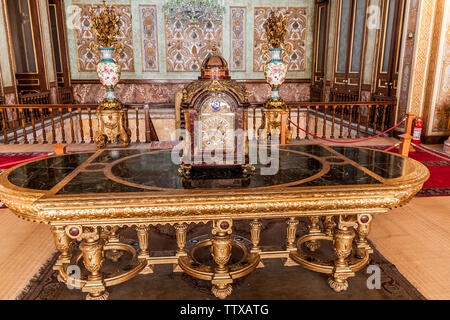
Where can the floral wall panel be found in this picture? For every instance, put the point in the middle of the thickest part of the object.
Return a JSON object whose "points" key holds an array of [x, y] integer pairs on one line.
{"points": [[237, 38], [188, 45], [86, 59], [149, 37], [296, 34]]}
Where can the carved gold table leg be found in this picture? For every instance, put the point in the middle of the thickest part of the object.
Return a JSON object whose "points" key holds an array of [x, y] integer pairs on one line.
{"points": [[362, 246], [342, 242], [221, 253], [328, 225], [291, 230], [314, 228], [92, 249], [255, 232], [63, 244], [142, 233], [181, 230]]}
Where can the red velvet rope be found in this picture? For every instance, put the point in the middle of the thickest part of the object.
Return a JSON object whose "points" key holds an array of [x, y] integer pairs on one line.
{"points": [[391, 147], [432, 153], [353, 141]]}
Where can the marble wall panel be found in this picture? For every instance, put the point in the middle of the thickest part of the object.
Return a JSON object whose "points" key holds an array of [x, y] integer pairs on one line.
{"points": [[296, 34], [165, 92], [86, 59]]}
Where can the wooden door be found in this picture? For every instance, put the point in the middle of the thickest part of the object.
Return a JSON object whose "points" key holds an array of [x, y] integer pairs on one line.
{"points": [[320, 51], [351, 20], [389, 49]]}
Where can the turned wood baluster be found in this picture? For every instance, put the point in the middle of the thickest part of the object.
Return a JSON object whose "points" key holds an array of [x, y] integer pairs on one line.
{"points": [[375, 119], [80, 122], [307, 122], [289, 123], [52, 120], [5, 134], [22, 114], [91, 134], [33, 126], [14, 125], [72, 131], [61, 121], [44, 134], [316, 119], [298, 123], [324, 131], [332, 122], [358, 129], [369, 107], [349, 135], [384, 117], [137, 125], [148, 137], [254, 123], [341, 128]]}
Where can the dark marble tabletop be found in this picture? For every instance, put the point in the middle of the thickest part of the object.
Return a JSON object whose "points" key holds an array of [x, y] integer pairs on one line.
{"points": [[143, 170]]}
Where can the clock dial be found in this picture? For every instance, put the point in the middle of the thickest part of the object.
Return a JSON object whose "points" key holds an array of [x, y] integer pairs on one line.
{"points": [[217, 133]]}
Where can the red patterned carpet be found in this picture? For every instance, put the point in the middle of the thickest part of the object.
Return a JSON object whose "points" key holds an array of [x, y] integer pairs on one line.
{"points": [[439, 182]]}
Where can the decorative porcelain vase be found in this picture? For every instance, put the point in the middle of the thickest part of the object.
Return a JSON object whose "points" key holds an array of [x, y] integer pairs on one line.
{"points": [[275, 72], [112, 124], [108, 71]]}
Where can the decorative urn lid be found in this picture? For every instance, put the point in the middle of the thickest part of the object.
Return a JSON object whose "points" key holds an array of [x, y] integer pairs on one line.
{"points": [[214, 67]]}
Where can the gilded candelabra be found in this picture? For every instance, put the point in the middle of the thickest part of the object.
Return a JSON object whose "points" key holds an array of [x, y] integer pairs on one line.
{"points": [[276, 52], [111, 113]]}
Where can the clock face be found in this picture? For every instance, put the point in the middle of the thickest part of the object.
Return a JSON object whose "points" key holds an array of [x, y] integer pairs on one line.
{"points": [[217, 132]]}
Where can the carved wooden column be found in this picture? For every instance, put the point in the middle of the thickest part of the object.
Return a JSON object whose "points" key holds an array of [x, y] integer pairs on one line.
{"points": [[362, 246], [221, 253], [142, 233], [342, 243], [93, 256], [314, 228], [62, 243]]}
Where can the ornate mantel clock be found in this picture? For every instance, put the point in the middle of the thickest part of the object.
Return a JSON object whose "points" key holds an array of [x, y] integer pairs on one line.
{"points": [[215, 119]]}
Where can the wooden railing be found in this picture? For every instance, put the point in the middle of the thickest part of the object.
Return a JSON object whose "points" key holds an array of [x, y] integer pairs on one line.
{"points": [[343, 96], [35, 98], [64, 123], [76, 123], [65, 95], [342, 120]]}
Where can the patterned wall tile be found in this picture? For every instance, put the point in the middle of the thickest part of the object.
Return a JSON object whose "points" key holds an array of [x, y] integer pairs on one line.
{"points": [[188, 45], [296, 34], [87, 61], [237, 38], [442, 111], [149, 37]]}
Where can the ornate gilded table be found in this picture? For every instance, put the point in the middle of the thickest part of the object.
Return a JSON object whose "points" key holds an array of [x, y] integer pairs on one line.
{"points": [[90, 196]]}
